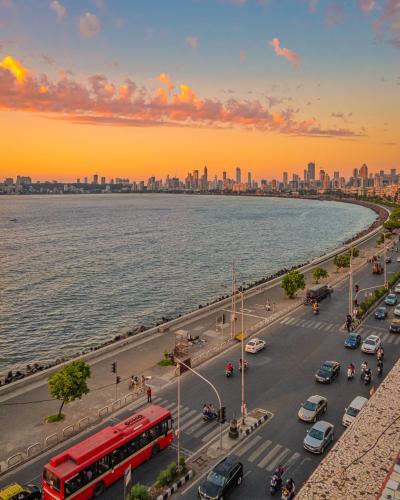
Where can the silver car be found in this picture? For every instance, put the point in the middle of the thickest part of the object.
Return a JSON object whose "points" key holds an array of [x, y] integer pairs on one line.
{"points": [[319, 437], [312, 408]]}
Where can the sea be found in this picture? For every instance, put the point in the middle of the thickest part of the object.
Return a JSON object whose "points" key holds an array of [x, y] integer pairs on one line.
{"points": [[76, 270]]}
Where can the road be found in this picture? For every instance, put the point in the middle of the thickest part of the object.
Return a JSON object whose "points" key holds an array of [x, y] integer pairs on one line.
{"points": [[278, 380]]}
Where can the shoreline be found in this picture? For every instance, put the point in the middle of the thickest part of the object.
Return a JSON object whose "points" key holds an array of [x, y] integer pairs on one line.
{"points": [[126, 332]]}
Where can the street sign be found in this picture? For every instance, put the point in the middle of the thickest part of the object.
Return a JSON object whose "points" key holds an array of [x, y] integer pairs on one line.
{"points": [[128, 474]]}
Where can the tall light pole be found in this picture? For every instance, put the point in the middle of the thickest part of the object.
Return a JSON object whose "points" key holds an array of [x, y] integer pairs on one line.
{"points": [[351, 282], [179, 418], [384, 259], [215, 390], [233, 316], [243, 403]]}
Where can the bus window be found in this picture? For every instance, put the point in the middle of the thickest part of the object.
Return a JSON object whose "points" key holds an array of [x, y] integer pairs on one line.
{"points": [[51, 479], [154, 432]]}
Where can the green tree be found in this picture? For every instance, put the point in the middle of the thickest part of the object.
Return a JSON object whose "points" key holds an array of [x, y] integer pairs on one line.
{"points": [[70, 383], [341, 261], [292, 282], [139, 492], [319, 273]]}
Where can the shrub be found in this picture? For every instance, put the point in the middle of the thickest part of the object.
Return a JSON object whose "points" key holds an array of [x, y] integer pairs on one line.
{"points": [[139, 492], [167, 476]]}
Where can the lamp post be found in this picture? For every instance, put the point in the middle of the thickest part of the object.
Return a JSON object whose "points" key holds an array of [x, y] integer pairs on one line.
{"points": [[179, 418], [351, 282], [233, 314], [243, 403], [213, 387], [384, 259]]}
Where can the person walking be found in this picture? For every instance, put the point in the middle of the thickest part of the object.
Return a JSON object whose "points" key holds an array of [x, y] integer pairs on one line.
{"points": [[379, 367], [268, 306], [143, 383], [148, 394]]}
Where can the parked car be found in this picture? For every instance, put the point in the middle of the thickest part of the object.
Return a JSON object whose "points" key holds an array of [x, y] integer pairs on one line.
{"points": [[391, 299], [17, 492], [395, 326], [397, 288], [319, 437], [371, 344], [255, 345], [380, 313], [328, 372], [220, 481], [353, 340], [353, 410], [312, 408]]}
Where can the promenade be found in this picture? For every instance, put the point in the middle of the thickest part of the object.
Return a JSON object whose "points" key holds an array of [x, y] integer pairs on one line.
{"points": [[27, 403]]}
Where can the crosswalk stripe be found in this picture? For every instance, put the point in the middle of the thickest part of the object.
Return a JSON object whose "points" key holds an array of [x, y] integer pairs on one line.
{"points": [[188, 415], [292, 460], [204, 430], [291, 321], [191, 421], [302, 322], [158, 400], [285, 320], [308, 323], [318, 324], [389, 340], [196, 426], [169, 406], [384, 337], [210, 435], [269, 456], [328, 327], [248, 445], [256, 453], [278, 459], [397, 340], [184, 410]]}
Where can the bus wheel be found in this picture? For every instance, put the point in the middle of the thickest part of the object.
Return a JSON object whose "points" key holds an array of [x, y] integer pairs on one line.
{"points": [[155, 450], [99, 489]]}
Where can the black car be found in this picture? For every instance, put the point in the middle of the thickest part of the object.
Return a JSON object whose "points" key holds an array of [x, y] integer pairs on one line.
{"points": [[328, 372], [220, 481]]}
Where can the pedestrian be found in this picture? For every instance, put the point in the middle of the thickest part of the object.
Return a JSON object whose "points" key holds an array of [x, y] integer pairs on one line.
{"points": [[379, 367], [273, 307], [268, 306], [355, 312], [143, 383], [149, 394]]}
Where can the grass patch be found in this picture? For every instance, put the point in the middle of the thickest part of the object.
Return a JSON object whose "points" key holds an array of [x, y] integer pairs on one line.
{"points": [[165, 362], [55, 418]]}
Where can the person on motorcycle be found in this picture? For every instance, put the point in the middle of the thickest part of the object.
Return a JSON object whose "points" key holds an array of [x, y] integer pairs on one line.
{"points": [[379, 366], [242, 363], [229, 367], [364, 366], [290, 487], [352, 368], [380, 353], [206, 410], [279, 471]]}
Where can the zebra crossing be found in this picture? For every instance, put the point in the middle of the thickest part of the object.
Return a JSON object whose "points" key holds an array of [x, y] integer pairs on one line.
{"points": [[191, 421], [386, 337], [310, 323], [267, 455]]}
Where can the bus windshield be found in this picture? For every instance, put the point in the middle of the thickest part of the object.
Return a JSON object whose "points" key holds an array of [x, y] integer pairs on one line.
{"points": [[51, 479]]}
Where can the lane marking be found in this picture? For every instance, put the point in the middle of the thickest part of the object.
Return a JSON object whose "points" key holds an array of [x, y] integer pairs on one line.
{"points": [[248, 445], [212, 434], [270, 455], [292, 460], [256, 453], [278, 459]]}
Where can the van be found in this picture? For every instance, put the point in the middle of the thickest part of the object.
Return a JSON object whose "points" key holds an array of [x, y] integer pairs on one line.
{"points": [[353, 410], [317, 293]]}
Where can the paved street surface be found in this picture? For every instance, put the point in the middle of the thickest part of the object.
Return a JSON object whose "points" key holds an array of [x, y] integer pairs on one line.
{"points": [[279, 378]]}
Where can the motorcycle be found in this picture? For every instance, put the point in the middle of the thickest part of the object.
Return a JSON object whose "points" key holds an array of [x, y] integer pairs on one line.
{"points": [[316, 311], [367, 378], [229, 373], [286, 494], [379, 370], [246, 365], [209, 417], [350, 373], [275, 484]]}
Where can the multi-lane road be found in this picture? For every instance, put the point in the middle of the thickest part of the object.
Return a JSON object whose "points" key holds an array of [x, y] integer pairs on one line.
{"points": [[279, 378]]}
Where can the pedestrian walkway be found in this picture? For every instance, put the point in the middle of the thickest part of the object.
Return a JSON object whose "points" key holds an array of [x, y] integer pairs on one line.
{"points": [[267, 455], [388, 337], [310, 323]]}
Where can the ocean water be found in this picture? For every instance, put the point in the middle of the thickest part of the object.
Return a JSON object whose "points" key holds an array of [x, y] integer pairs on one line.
{"points": [[76, 270]]}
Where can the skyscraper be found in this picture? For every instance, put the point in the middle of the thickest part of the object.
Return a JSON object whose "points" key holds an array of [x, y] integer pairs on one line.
{"points": [[364, 171], [103, 181], [196, 179], [322, 175], [285, 178], [249, 183], [95, 179], [224, 176], [238, 175], [311, 170]]}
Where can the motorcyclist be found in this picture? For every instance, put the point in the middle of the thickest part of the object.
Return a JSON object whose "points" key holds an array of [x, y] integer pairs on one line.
{"points": [[364, 366], [279, 471], [380, 367], [229, 367], [349, 321], [380, 353], [290, 487], [206, 410], [367, 374], [242, 363], [352, 368]]}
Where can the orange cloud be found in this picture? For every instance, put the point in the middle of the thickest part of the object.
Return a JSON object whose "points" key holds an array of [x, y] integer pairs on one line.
{"points": [[164, 78], [101, 102], [284, 52]]}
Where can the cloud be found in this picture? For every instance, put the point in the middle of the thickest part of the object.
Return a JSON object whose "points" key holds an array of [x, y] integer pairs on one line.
{"points": [[284, 52], [367, 5], [192, 41], [390, 19], [338, 115], [99, 101], [89, 25], [59, 9], [334, 13], [242, 56]]}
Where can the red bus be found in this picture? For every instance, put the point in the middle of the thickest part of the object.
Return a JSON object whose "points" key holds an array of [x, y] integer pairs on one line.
{"points": [[88, 468]]}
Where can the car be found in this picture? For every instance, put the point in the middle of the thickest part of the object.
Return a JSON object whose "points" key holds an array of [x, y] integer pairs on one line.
{"points": [[388, 260], [395, 326], [371, 344], [220, 481], [391, 299], [319, 437], [17, 492], [312, 408], [353, 410], [396, 310], [255, 345], [380, 313], [353, 340], [397, 288], [328, 372]]}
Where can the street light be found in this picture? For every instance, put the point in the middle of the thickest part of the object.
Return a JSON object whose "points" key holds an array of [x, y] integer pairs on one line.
{"points": [[243, 364], [216, 392]]}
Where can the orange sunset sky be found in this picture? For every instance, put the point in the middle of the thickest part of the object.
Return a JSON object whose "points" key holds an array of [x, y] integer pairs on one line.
{"points": [[102, 87]]}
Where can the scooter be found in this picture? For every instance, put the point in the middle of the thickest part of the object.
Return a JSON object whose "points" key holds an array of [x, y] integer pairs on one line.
{"points": [[316, 311], [275, 484], [209, 417], [229, 373], [367, 378]]}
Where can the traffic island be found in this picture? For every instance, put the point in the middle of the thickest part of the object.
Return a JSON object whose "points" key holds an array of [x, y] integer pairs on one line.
{"points": [[174, 487], [253, 420]]}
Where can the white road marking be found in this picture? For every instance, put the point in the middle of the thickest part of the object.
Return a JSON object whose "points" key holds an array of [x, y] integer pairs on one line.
{"points": [[308, 323], [389, 340], [211, 434], [191, 421], [292, 460], [269, 456], [256, 453], [247, 446], [328, 327], [397, 340], [317, 325], [278, 459]]}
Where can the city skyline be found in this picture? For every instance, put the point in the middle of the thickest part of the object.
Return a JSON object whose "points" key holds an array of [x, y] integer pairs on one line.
{"points": [[113, 87]]}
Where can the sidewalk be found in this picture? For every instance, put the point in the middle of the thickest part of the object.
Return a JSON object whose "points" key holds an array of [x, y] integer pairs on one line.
{"points": [[137, 358]]}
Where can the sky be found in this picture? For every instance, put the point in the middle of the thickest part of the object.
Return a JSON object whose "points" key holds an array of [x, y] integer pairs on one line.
{"points": [[133, 88]]}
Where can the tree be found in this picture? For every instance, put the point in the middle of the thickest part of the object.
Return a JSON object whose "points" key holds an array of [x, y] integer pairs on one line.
{"points": [[341, 261], [139, 492], [292, 282], [70, 383], [319, 273]]}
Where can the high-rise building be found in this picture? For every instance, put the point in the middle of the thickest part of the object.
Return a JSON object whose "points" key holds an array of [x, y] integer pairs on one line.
{"points": [[103, 181], [311, 171], [95, 179], [195, 179], [364, 171], [336, 175], [85, 180], [306, 177], [224, 176], [355, 173], [78, 181], [238, 175], [322, 175], [285, 178], [249, 183]]}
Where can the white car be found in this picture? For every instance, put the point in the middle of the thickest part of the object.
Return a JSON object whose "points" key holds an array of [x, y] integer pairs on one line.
{"points": [[397, 288], [255, 345], [396, 310], [371, 344], [353, 410]]}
